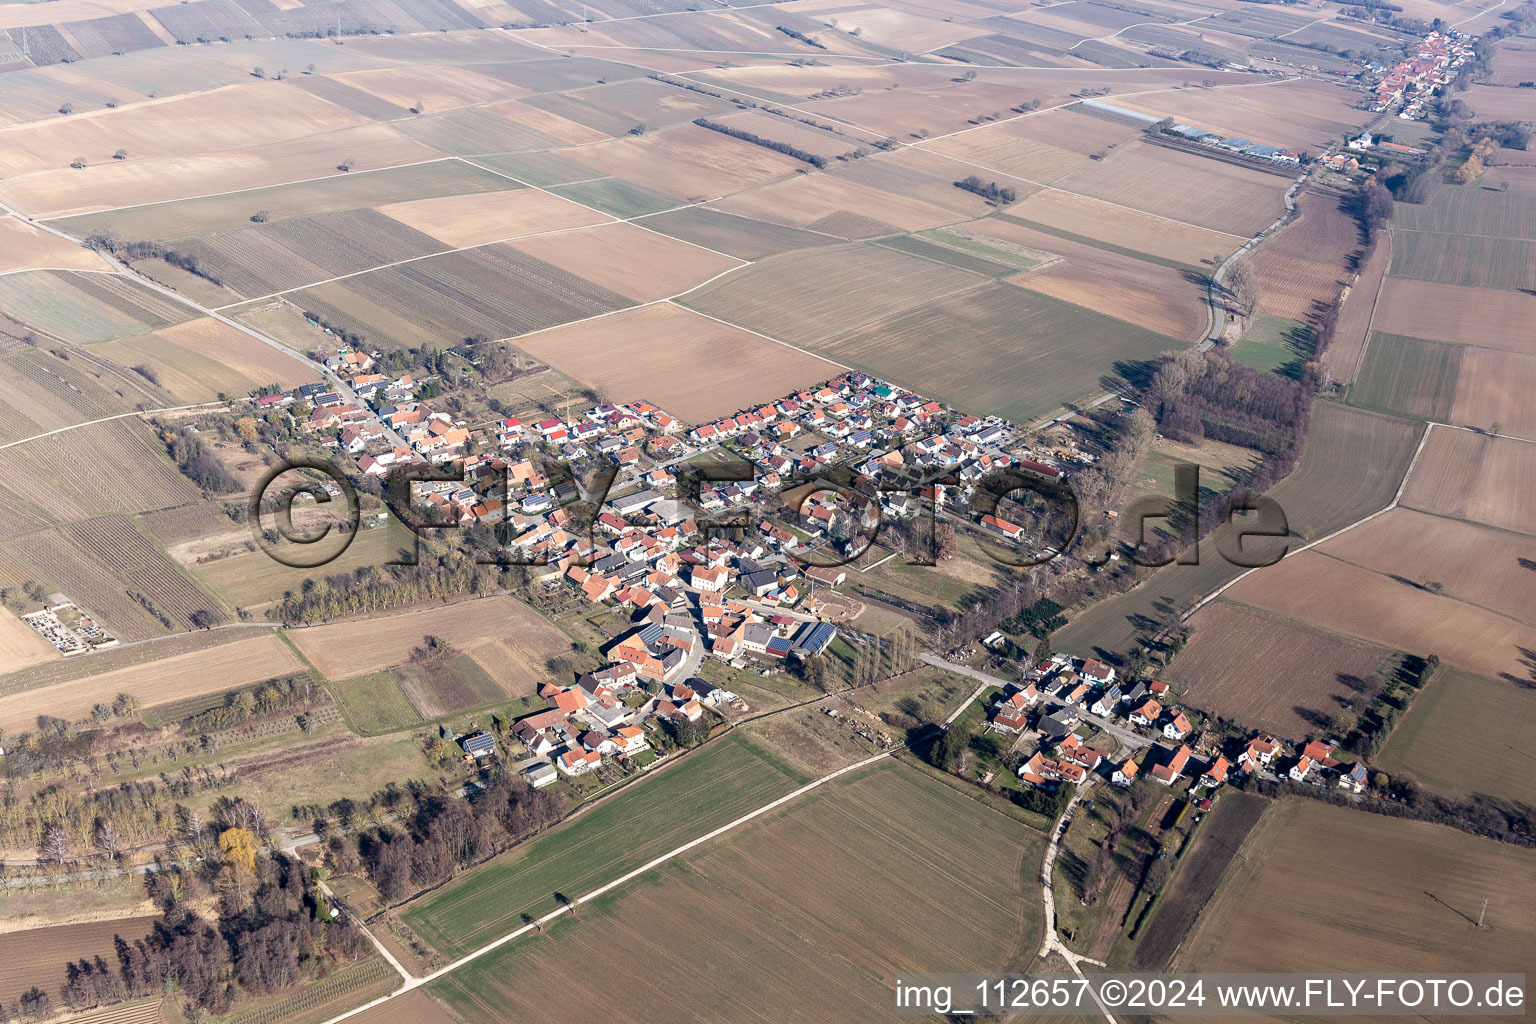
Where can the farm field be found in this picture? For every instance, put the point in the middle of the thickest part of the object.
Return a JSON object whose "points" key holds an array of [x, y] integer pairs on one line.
{"points": [[345, 649], [628, 259], [495, 290], [1415, 912], [198, 360], [809, 297], [1409, 376], [85, 307], [741, 237], [1041, 147], [877, 842], [1486, 317], [1467, 475], [1007, 350], [1299, 115], [1272, 343], [707, 789], [467, 220], [1149, 296], [412, 1008], [187, 218], [1471, 563], [254, 578], [129, 472], [1342, 598], [1304, 266], [1462, 711], [268, 258], [42, 392], [24, 247], [1491, 392], [40, 956], [108, 184], [1118, 228], [837, 205], [688, 162], [1473, 261], [1477, 209], [375, 703], [620, 354], [1356, 314], [155, 682], [20, 645], [1266, 672], [1183, 187]]}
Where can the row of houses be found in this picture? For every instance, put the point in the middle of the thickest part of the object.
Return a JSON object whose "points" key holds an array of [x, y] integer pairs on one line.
{"points": [[1413, 81]]}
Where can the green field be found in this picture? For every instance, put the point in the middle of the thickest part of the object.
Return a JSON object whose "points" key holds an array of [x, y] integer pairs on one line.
{"points": [[706, 790], [185, 373], [618, 107], [186, 218], [805, 914], [998, 349], [255, 578], [472, 130], [1274, 343], [1408, 375], [617, 196], [83, 308], [912, 245], [1458, 713], [1352, 465], [1474, 261], [375, 703], [542, 169]]}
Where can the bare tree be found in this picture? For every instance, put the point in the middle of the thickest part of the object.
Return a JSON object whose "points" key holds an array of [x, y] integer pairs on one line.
{"points": [[1242, 288], [54, 845], [107, 839]]}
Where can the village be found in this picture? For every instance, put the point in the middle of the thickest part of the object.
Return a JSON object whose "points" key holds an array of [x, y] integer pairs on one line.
{"points": [[1062, 703], [1413, 81]]}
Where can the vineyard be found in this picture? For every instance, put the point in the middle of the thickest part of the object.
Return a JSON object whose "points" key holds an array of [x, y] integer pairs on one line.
{"points": [[494, 290], [129, 556], [322, 999], [59, 565], [104, 467], [54, 393]]}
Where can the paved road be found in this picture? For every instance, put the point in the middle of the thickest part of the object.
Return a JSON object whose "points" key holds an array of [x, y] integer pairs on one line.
{"points": [[1127, 738]]}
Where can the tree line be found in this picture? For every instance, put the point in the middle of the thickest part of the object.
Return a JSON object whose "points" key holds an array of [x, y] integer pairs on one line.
{"points": [[814, 159]]}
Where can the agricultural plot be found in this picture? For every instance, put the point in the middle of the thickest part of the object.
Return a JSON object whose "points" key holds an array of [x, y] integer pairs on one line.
{"points": [[1472, 210], [662, 352], [1487, 317], [360, 189], [617, 197], [199, 359], [1301, 269], [236, 117], [476, 130], [1285, 906], [741, 237], [615, 109], [375, 703], [345, 649], [1183, 187], [628, 259], [688, 162], [784, 941], [271, 258], [707, 789], [85, 307], [1467, 475], [1118, 229], [139, 566], [41, 956], [105, 183], [1474, 261], [838, 205], [809, 297], [24, 247], [1004, 350], [1398, 613], [1148, 295], [47, 392], [336, 91], [21, 646], [1476, 564], [1298, 114], [469, 220], [1359, 306], [494, 290], [1462, 711], [1267, 672], [154, 682], [128, 471], [538, 168], [931, 248], [1492, 392], [1272, 343], [1041, 147], [254, 579], [559, 73], [187, 523], [430, 88], [1408, 375]]}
